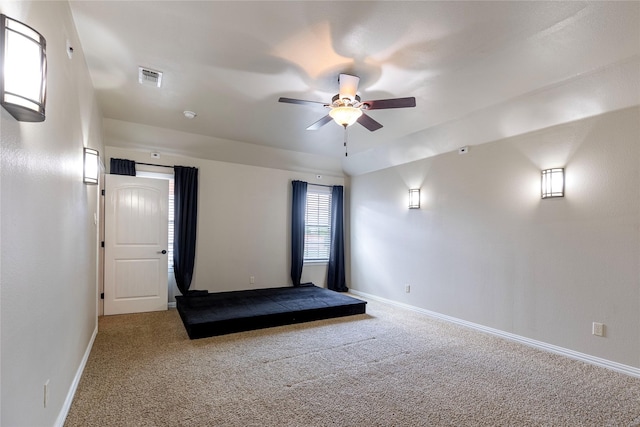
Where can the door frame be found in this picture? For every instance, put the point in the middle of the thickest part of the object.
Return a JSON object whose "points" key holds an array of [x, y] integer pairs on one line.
{"points": [[142, 252]]}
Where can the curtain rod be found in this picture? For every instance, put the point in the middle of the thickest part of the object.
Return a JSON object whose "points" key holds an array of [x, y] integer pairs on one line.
{"points": [[321, 185], [153, 164]]}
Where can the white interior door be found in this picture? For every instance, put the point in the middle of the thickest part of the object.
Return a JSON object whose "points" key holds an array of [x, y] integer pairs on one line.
{"points": [[136, 230]]}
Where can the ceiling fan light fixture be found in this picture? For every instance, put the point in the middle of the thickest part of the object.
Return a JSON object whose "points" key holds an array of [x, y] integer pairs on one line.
{"points": [[345, 116], [346, 108]]}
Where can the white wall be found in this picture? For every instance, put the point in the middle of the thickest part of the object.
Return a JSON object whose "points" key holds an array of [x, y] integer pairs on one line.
{"points": [[486, 249], [244, 217], [49, 244]]}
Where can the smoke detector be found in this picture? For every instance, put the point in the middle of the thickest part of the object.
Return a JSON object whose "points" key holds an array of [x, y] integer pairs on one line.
{"points": [[189, 114], [149, 77]]}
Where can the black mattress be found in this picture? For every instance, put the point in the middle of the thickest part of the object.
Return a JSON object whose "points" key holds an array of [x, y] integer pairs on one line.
{"points": [[222, 313]]}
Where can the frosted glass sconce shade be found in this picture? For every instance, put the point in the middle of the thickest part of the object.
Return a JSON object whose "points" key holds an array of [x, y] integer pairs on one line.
{"points": [[552, 183], [23, 64], [91, 162], [414, 198]]}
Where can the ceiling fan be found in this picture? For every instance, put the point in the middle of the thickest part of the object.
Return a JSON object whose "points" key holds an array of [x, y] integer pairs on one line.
{"points": [[346, 107]]}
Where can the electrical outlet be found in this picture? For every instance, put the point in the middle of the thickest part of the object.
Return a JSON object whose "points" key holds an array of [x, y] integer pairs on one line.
{"points": [[598, 329], [407, 288], [45, 397], [252, 280]]}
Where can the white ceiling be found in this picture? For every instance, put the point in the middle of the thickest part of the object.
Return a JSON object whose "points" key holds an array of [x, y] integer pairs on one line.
{"points": [[479, 71]]}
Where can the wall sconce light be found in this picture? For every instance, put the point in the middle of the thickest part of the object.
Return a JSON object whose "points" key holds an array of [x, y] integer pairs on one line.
{"points": [[552, 183], [23, 64], [91, 165], [414, 198]]}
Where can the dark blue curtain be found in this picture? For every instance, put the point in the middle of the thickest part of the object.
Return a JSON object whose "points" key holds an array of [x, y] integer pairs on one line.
{"points": [[298, 209], [336, 274], [122, 167], [185, 217]]}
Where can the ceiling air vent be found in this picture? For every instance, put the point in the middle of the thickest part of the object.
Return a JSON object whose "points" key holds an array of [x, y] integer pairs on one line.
{"points": [[149, 77]]}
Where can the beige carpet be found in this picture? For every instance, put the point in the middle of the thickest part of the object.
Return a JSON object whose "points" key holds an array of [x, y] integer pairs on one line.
{"points": [[390, 367]]}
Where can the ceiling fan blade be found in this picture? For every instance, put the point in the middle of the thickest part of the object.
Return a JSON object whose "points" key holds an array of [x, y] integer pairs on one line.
{"points": [[323, 121], [301, 101], [369, 123], [390, 103], [348, 86]]}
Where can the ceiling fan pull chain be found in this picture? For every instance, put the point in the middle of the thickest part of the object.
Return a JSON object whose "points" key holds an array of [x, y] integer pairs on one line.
{"points": [[345, 141]]}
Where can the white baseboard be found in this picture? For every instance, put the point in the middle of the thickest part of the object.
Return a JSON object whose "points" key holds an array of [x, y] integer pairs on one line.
{"points": [[171, 305], [593, 360], [62, 416]]}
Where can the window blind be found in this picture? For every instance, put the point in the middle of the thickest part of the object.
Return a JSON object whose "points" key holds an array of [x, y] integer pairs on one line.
{"points": [[171, 224], [317, 236], [171, 210]]}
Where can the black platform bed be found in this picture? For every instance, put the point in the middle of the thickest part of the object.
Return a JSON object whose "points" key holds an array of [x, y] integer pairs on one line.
{"points": [[222, 313]]}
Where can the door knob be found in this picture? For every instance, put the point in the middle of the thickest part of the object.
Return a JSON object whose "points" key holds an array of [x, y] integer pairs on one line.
{"points": [[163, 252]]}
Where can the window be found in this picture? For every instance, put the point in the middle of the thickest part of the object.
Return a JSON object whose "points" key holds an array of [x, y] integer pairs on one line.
{"points": [[317, 233], [167, 176], [171, 225]]}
